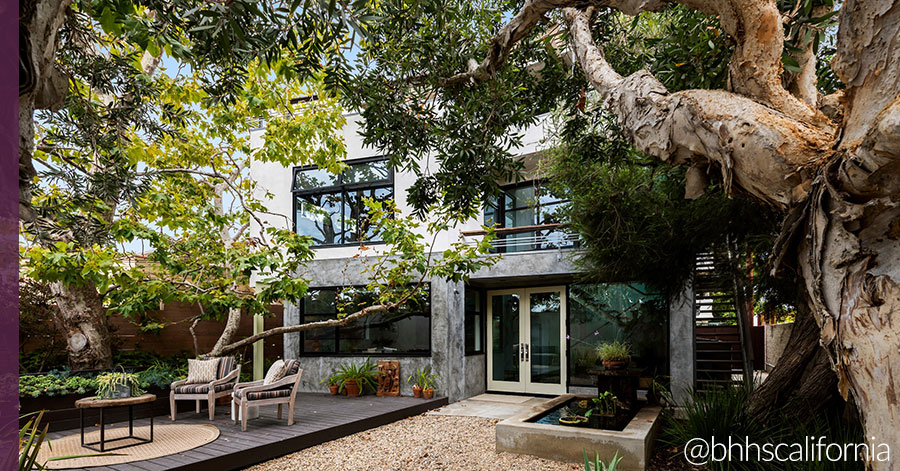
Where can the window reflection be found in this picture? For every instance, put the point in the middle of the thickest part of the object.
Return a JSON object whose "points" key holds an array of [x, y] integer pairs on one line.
{"points": [[407, 331], [330, 208], [608, 311]]}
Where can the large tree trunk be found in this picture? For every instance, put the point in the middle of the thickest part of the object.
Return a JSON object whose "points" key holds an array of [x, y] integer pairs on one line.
{"points": [[802, 382], [81, 317], [840, 181], [850, 259]]}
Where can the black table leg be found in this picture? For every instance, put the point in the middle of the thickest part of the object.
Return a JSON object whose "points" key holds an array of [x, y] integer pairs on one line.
{"points": [[82, 426], [102, 433], [130, 421], [151, 423]]}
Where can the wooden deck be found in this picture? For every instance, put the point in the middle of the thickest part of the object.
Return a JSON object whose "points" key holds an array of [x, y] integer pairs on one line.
{"points": [[320, 418]]}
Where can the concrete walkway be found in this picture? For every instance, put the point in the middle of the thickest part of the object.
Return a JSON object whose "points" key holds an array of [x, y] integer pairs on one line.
{"points": [[491, 406]]}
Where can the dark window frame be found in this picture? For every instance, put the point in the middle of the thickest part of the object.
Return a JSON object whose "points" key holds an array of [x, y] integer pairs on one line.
{"points": [[482, 302], [343, 189], [500, 210], [301, 307]]}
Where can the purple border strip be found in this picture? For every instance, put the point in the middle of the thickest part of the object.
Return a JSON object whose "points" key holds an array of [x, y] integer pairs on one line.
{"points": [[9, 239]]}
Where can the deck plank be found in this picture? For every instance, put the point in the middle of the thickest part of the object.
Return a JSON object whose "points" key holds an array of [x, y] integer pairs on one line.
{"points": [[318, 418]]}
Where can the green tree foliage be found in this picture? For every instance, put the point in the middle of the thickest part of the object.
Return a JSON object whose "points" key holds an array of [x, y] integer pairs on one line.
{"points": [[630, 209], [137, 156]]}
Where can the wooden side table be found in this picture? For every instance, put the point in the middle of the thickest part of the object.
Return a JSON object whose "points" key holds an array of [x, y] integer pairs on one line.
{"points": [[130, 402]]}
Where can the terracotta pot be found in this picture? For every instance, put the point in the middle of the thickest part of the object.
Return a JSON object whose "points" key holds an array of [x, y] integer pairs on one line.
{"points": [[223, 401], [417, 391], [428, 393], [333, 388], [615, 364], [352, 388]]}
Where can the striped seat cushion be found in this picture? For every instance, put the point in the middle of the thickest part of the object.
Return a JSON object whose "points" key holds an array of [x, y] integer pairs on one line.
{"points": [[271, 394], [201, 388], [226, 366]]}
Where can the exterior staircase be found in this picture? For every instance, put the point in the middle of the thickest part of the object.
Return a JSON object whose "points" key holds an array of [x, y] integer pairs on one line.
{"points": [[723, 354]]}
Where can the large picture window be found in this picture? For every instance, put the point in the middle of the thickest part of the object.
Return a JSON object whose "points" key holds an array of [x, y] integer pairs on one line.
{"points": [[527, 205], [330, 209], [616, 311], [405, 332]]}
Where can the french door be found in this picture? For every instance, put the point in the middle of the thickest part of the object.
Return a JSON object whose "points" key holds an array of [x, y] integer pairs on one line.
{"points": [[526, 340]]}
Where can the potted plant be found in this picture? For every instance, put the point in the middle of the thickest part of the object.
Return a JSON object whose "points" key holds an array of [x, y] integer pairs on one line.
{"points": [[423, 382], [354, 378], [615, 354], [117, 385], [333, 384]]}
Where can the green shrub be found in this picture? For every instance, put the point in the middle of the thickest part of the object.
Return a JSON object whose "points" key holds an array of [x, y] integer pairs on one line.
{"points": [[160, 375], [55, 383], [716, 415], [598, 465]]}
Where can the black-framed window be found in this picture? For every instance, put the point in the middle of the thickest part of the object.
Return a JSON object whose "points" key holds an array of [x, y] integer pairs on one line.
{"points": [[530, 203], [406, 332], [474, 321], [330, 209]]}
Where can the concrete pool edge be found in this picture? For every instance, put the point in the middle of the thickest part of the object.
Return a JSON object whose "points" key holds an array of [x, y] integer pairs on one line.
{"points": [[563, 443]]}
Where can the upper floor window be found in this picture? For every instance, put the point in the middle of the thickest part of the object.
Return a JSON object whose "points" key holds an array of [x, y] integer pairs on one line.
{"points": [[329, 208], [519, 214]]}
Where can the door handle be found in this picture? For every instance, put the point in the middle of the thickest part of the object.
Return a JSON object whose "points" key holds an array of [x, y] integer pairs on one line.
{"points": [[521, 352], [526, 352]]}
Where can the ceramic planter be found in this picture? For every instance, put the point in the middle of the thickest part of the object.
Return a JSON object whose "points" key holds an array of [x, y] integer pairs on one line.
{"points": [[417, 391], [573, 420], [615, 364], [428, 393], [352, 388]]}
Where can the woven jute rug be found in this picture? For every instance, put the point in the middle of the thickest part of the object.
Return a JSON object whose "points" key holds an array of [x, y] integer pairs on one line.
{"points": [[167, 440]]}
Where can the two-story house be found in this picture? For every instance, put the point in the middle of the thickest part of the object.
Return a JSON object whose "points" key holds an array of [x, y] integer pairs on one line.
{"points": [[525, 325]]}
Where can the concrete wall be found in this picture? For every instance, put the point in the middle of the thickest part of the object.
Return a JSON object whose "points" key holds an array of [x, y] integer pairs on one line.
{"points": [[777, 336], [681, 344], [447, 332], [476, 374]]}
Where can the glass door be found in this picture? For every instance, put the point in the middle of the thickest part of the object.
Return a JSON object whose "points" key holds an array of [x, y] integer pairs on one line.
{"points": [[545, 343], [527, 340], [505, 352]]}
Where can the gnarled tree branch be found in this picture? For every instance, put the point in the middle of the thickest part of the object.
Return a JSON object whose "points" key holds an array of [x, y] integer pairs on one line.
{"points": [[765, 152]]}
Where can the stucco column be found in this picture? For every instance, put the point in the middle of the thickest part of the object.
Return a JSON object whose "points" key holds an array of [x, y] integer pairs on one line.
{"points": [[681, 343], [447, 346]]}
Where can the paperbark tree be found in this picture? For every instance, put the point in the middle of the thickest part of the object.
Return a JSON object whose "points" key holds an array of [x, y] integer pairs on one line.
{"points": [[836, 173]]}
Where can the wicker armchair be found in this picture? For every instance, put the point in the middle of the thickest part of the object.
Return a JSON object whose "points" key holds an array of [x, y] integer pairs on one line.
{"points": [[255, 393], [227, 374]]}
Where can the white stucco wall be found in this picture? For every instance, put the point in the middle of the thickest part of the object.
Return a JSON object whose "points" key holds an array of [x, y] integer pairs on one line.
{"points": [[276, 179]]}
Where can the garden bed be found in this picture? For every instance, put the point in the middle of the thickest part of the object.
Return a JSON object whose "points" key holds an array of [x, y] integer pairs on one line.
{"points": [[61, 413]]}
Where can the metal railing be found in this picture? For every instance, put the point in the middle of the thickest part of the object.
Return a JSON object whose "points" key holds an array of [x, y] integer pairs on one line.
{"points": [[527, 238]]}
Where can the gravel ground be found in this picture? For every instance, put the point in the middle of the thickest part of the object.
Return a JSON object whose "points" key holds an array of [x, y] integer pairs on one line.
{"points": [[423, 442]]}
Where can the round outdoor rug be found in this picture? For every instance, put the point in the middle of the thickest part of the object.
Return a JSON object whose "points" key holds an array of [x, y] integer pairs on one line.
{"points": [[167, 440]]}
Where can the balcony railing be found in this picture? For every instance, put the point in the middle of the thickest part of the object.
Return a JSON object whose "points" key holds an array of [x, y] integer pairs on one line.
{"points": [[527, 238]]}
